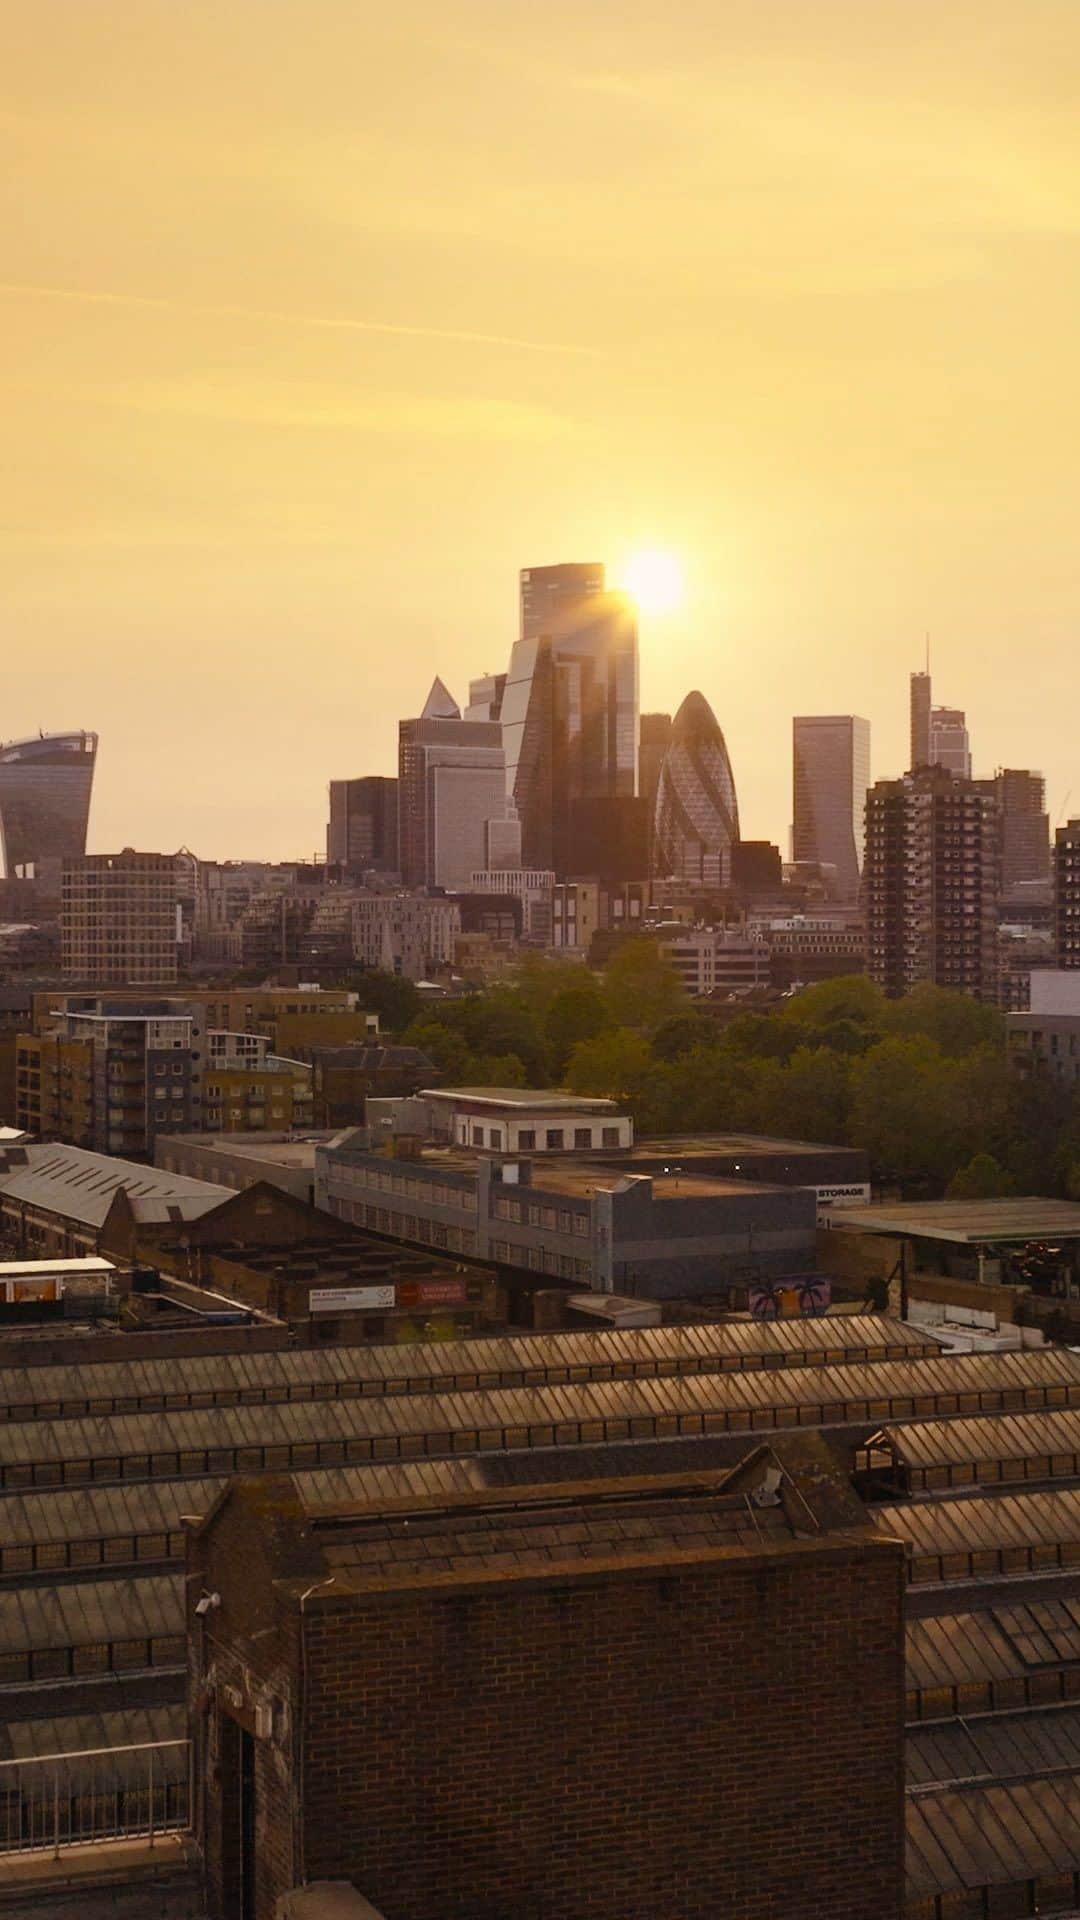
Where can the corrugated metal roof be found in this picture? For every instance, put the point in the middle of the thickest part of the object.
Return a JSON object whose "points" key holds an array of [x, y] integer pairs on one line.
{"points": [[531, 1416], [491, 1360], [959, 1650], [924, 1444], [90, 1613], [995, 1747], [81, 1186], [85, 1732], [984, 1521], [1041, 1633], [989, 1836]]}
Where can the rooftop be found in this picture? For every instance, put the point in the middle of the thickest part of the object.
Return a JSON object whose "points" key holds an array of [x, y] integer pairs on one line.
{"points": [[542, 1099], [968, 1222], [82, 1185], [270, 1149]]}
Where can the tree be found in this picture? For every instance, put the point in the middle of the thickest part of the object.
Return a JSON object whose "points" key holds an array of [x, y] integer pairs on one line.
{"points": [[981, 1179], [808, 1099], [641, 988], [958, 1023], [577, 1012], [614, 1065], [395, 1000], [902, 1111], [848, 996]]}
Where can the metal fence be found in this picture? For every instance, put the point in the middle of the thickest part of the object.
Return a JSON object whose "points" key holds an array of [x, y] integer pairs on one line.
{"points": [[59, 1800]]}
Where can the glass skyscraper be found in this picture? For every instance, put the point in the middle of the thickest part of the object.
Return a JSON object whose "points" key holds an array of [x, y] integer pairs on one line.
{"points": [[570, 705], [45, 787], [697, 812], [831, 777]]}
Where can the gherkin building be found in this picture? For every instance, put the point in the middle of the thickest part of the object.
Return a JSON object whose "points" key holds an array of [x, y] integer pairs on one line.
{"points": [[697, 814]]}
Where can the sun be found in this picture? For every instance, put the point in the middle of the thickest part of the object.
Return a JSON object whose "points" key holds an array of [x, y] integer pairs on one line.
{"points": [[654, 579]]}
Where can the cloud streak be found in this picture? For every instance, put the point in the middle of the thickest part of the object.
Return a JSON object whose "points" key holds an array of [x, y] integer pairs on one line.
{"points": [[274, 316]]}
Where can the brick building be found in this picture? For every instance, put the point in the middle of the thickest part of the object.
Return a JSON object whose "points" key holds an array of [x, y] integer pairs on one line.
{"points": [[597, 1701]]}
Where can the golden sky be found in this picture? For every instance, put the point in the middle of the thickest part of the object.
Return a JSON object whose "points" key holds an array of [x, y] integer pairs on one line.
{"points": [[322, 317]]}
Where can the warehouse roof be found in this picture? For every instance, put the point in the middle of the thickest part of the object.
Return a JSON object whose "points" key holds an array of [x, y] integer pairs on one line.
{"points": [[91, 1613], [969, 1222], [779, 1496], [204, 1439], [991, 1836], [98, 1382], [925, 1444], [997, 1747], [82, 1186], [985, 1522]]}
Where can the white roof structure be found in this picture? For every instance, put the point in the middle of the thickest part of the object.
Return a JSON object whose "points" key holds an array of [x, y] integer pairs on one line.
{"points": [[82, 1186]]}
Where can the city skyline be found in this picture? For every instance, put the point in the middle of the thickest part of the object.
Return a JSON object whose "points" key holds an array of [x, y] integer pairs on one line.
{"points": [[785, 292]]}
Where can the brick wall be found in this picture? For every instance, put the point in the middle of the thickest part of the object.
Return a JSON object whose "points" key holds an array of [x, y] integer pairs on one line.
{"points": [[717, 1740]]}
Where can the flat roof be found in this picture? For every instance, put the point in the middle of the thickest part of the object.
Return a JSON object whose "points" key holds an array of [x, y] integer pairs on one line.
{"points": [[545, 1098], [272, 1149], [968, 1222], [38, 1269]]}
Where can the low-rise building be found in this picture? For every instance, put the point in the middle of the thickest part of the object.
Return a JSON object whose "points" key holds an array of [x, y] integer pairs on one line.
{"points": [[1044, 1042]]}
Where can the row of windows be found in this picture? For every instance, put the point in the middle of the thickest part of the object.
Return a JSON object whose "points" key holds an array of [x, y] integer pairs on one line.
{"points": [[534, 1213]]}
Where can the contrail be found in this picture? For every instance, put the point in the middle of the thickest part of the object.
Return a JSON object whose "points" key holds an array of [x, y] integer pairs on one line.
{"points": [[326, 324]]}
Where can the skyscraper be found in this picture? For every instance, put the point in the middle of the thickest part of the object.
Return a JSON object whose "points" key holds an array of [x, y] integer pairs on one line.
{"points": [[1067, 893], [1025, 827], [931, 883], [939, 735], [920, 720], [697, 813], [831, 775], [118, 919], [949, 743], [569, 709], [363, 827], [45, 788], [451, 785]]}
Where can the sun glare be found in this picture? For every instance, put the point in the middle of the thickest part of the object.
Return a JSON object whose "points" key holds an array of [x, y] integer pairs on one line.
{"points": [[654, 579]]}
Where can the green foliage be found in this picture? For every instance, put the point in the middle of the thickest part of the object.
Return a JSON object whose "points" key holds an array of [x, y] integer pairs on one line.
{"points": [[981, 1179], [922, 1084], [613, 1065], [641, 988]]}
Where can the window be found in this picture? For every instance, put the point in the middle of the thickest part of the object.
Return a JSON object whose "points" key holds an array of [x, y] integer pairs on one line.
{"points": [[526, 1137], [478, 1136], [610, 1136], [583, 1136], [554, 1138]]}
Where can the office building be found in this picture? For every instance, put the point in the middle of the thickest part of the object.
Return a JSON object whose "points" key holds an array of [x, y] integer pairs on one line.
{"points": [[714, 961], [1025, 829], [534, 888], [578, 1206], [931, 883], [486, 696], [118, 919], [1067, 893], [363, 828], [569, 709], [949, 744], [609, 839], [757, 871], [920, 699], [696, 820], [45, 789], [831, 775], [451, 783], [655, 739]]}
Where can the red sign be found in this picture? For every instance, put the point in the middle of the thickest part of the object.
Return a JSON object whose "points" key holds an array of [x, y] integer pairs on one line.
{"points": [[431, 1293]]}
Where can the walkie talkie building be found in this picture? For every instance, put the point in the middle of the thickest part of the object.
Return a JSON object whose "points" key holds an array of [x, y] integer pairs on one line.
{"points": [[45, 788]]}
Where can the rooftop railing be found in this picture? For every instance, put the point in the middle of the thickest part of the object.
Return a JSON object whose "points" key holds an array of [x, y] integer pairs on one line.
{"points": [[56, 1801]]}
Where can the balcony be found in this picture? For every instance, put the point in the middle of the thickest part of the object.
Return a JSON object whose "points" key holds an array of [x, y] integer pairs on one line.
{"points": [[59, 1802]]}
